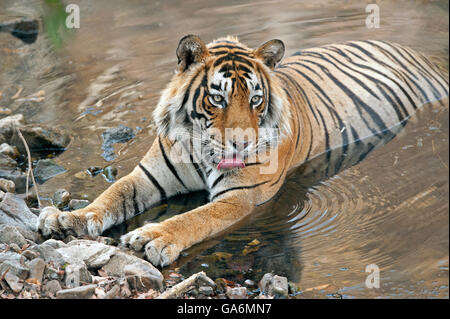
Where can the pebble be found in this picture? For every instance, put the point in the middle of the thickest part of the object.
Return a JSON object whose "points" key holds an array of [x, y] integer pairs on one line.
{"points": [[13, 282], [110, 174], [237, 293], [75, 204], [61, 198], [7, 185], [76, 274], [206, 290], [82, 292], [9, 235], [37, 267], [52, 287]]}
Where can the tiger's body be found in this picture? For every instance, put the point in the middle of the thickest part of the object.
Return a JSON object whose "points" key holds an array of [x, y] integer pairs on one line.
{"points": [[316, 100]]}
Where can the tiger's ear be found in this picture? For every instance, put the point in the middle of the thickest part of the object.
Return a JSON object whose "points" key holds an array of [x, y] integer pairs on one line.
{"points": [[271, 52], [191, 50]]}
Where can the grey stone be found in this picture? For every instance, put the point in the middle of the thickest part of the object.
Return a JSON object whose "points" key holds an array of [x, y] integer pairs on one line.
{"points": [[143, 276], [8, 125], [7, 163], [9, 235], [52, 287], [7, 186], [37, 267], [236, 292], [46, 169], [14, 268], [15, 212], [61, 198], [113, 292], [52, 273], [30, 255], [279, 286], [13, 282], [92, 253], [11, 256], [49, 254], [18, 177], [75, 204], [55, 243], [82, 292], [40, 138], [274, 285], [206, 290], [9, 151], [76, 274]]}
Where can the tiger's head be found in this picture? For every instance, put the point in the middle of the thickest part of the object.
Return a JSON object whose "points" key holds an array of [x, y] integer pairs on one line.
{"points": [[228, 93]]}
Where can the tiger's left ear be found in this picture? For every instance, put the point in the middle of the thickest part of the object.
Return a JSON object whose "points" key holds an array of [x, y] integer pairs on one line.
{"points": [[271, 52], [191, 50]]}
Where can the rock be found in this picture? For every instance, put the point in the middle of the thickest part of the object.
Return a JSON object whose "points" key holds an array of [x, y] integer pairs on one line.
{"points": [[249, 283], [206, 290], [49, 254], [55, 243], [14, 211], [14, 247], [274, 285], [14, 268], [11, 256], [110, 174], [7, 186], [82, 292], [92, 253], [8, 125], [116, 267], [279, 287], [143, 276], [52, 287], [120, 134], [30, 255], [7, 163], [113, 292], [75, 274], [60, 199], [10, 151], [40, 139], [46, 169], [37, 267], [9, 234], [19, 179], [53, 273], [237, 293], [13, 282], [75, 204]]}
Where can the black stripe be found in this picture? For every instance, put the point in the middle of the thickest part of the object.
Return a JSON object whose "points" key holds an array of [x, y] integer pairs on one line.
{"points": [[135, 203], [197, 169], [162, 192], [237, 188], [217, 181], [169, 163]]}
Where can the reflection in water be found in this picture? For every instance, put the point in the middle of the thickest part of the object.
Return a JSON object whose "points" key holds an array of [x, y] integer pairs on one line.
{"points": [[391, 209]]}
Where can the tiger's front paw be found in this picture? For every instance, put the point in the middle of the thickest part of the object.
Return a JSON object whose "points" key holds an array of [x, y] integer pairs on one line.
{"points": [[54, 223], [161, 247]]}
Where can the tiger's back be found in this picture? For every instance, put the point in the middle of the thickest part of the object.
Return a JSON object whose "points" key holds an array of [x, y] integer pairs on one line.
{"points": [[357, 92]]}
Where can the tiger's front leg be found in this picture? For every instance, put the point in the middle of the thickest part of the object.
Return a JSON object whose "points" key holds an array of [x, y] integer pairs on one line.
{"points": [[153, 180], [164, 241]]}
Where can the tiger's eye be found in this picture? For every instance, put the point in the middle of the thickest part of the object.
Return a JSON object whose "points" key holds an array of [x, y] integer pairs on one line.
{"points": [[256, 100], [216, 100]]}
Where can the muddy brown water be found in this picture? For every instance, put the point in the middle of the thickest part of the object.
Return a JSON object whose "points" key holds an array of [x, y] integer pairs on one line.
{"points": [[390, 210]]}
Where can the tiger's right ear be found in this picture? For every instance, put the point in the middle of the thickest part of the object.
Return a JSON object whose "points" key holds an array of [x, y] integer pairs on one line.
{"points": [[191, 50]]}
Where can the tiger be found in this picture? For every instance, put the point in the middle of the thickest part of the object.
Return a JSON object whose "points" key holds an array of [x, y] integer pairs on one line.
{"points": [[332, 97]]}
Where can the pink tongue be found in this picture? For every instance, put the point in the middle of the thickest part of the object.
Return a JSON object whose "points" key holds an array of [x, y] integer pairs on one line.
{"points": [[227, 163]]}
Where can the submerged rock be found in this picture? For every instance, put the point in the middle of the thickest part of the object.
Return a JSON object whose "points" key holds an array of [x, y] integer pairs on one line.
{"points": [[40, 139], [46, 169], [75, 204], [61, 198], [120, 134]]}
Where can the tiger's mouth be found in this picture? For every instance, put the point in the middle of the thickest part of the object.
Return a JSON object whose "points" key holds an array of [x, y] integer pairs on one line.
{"points": [[227, 163]]}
